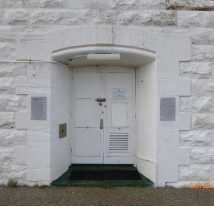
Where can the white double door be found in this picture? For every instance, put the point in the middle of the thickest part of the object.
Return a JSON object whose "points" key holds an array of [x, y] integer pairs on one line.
{"points": [[103, 105]]}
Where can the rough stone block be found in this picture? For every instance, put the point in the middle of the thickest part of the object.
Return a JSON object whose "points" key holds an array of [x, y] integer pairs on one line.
{"points": [[195, 19], [203, 52], [148, 17], [195, 173], [52, 3], [12, 69], [202, 36], [6, 34], [12, 138], [185, 104], [7, 51], [7, 120], [6, 156], [2, 14], [17, 17], [197, 70], [178, 3], [202, 121], [202, 87], [32, 4], [152, 4], [13, 171], [196, 138], [197, 104], [189, 4], [85, 4], [12, 103], [11, 4], [203, 105], [103, 16], [202, 156], [7, 85], [47, 17], [115, 4], [124, 4]]}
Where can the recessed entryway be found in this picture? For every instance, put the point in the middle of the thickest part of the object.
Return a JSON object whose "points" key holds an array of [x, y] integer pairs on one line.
{"points": [[113, 106]]}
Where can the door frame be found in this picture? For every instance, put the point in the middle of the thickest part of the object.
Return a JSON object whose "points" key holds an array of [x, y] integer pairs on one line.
{"points": [[133, 139]]}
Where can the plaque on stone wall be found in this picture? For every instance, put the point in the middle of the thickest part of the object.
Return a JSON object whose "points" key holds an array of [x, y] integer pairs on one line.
{"points": [[38, 108], [167, 109]]}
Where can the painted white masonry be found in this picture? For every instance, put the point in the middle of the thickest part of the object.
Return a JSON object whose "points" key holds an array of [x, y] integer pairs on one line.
{"points": [[168, 83], [31, 30]]}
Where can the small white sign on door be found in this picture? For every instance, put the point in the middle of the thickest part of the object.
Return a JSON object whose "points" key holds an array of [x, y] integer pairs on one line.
{"points": [[119, 93]]}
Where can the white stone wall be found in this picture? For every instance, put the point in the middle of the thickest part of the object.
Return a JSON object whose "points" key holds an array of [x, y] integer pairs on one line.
{"points": [[166, 16], [13, 141]]}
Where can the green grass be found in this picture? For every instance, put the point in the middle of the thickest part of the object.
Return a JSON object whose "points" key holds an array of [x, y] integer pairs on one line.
{"points": [[12, 183]]}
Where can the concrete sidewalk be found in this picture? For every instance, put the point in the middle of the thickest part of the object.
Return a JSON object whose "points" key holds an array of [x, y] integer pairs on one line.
{"points": [[104, 196]]}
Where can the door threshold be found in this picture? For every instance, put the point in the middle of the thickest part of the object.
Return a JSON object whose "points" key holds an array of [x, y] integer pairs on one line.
{"points": [[103, 176]]}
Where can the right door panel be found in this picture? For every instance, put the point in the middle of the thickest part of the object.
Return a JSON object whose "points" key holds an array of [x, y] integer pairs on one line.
{"points": [[120, 91]]}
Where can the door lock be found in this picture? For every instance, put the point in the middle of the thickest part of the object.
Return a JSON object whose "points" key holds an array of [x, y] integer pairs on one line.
{"points": [[100, 100]]}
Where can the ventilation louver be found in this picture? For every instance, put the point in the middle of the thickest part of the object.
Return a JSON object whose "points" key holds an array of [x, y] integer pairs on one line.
{"points": [[118, 143]]}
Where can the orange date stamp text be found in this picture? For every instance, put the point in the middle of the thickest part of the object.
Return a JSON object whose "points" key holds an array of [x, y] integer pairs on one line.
{"points": [[201, 185]]}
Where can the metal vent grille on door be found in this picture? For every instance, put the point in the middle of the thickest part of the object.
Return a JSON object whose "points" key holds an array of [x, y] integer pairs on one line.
{"points": [[118, 143]]}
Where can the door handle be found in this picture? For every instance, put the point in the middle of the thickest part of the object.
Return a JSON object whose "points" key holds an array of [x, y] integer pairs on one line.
{"points": [[100, 100], [101, 123]]}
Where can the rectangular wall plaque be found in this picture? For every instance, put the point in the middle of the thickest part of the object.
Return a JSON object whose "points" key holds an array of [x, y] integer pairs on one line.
{"points": [[167, 109], [38, 108]]}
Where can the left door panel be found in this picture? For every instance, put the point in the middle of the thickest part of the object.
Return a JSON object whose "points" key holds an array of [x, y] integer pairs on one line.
{"points": [[87, 143]]}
